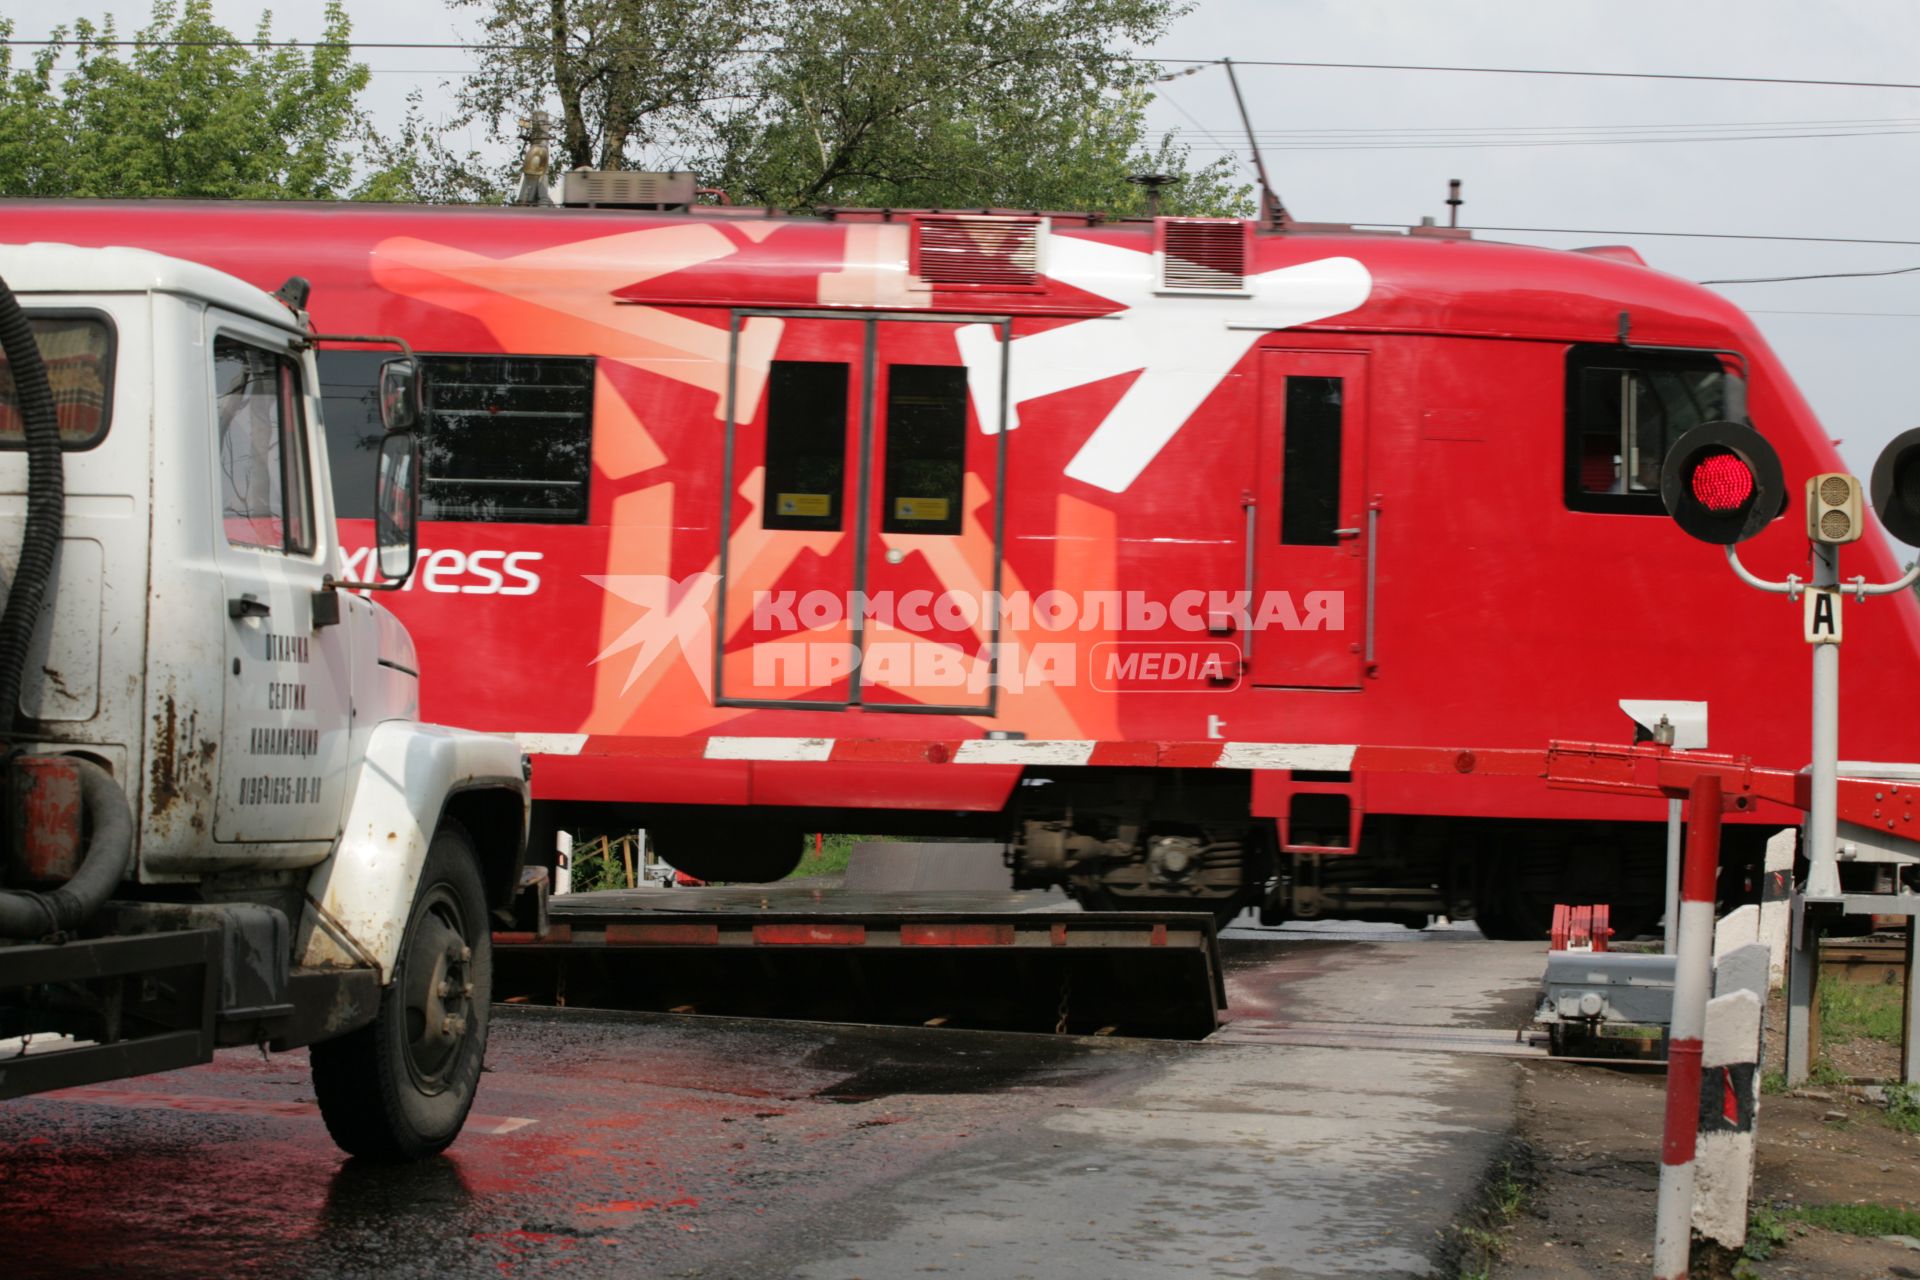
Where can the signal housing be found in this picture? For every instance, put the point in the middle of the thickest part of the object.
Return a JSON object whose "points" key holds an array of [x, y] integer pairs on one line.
{"points": [[1722, 482], [1896, 487], [1833, 508]]}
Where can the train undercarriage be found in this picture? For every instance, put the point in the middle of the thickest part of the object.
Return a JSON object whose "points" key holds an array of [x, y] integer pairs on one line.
{"points": [[1179, 839]]}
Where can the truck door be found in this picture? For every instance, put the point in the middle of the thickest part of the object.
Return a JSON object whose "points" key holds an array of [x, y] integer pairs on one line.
{"points": [[287, 716], [1310, 528], [861, 522]]}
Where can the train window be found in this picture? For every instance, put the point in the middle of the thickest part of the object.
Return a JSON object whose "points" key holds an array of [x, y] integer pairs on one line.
{"points": [[806, 471], [926, 448], [505, 439], [77, 347], [1625, 409], [266, 501], [1310, 463]]}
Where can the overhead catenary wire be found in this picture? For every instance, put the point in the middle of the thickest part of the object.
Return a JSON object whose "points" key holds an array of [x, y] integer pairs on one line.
{"points": [[1397, 224], [475, 46], [1821, 275]]}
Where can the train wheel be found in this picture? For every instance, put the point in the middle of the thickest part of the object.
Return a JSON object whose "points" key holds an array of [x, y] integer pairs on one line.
{"points": [[400, 1087]]}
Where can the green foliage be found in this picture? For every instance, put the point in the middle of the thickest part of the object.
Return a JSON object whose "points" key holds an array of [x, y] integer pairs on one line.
{"points": [[1825, 1074], [812, 103], [1773, 1082], [1858, 1219], [1480, 1242], [971, 103], [1766, 1231], [414, 165], [1903, 1107], [1860, 1011], [192, 111], [830, 859], [626, 73]]}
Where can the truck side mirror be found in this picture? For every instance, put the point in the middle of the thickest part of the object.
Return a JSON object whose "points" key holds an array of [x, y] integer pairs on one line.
{"points": [[396, 505], [400, 395]]}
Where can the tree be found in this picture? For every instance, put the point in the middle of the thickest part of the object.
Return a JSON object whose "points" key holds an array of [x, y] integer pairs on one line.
{"points": [[1010, 103], [626, 73], [193, 112], [807, 103]]}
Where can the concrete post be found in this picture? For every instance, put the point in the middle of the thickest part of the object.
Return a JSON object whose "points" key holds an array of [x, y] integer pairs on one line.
{"points": [[1776, 892]]}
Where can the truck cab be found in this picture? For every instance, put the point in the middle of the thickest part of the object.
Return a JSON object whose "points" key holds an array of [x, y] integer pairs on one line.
{"points": [[305, 863]]}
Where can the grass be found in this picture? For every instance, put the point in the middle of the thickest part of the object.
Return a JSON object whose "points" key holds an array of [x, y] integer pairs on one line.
{"points": [[1903, 1109], [1860, 1011], [831, 857], [1857, 1219], [1766, 1231], [1826, 1075], [1480, 1243]]}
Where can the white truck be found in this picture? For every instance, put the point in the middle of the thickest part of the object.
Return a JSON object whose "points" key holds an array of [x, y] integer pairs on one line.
{"points": [[225, 823]]}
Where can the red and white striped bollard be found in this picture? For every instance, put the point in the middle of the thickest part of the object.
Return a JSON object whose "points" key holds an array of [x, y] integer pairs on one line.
{"points": [[1692, 986]]}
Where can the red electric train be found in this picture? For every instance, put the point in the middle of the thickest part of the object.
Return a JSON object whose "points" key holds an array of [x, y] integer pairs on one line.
{"points": [[753, 524]]}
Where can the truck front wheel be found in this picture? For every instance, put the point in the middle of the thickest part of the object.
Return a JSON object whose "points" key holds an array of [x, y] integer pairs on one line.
{"points": [[400, 1087]]}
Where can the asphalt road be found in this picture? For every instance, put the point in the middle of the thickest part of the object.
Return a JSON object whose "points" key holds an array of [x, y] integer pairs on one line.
{"points": [[1335, 1126]]}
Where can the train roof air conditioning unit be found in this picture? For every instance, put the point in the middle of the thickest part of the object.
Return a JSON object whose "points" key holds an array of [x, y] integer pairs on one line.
{"points": [[1202, 255], [627, 189], [987, 252]]}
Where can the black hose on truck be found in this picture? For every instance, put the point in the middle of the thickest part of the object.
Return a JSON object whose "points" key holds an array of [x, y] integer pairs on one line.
{"points": [[104, 804], [46, 499], [33, 915]]}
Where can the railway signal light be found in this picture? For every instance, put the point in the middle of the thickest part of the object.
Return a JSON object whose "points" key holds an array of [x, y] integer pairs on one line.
{"points": [[1896, 487], [1721, 482], [1833, 508]]}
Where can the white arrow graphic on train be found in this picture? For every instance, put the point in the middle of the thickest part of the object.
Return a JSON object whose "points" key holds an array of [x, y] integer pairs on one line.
{"points": [[1181, 346]]}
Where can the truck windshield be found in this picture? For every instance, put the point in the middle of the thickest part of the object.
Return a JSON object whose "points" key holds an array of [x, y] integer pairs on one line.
{"points": [[78, 350]]}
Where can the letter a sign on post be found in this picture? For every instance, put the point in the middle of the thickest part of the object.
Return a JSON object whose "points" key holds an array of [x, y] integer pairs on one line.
{"points": [[1823, 616]]}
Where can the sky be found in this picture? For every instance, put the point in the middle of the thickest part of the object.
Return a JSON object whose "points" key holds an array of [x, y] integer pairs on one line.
{"points": [[1847, 342]]}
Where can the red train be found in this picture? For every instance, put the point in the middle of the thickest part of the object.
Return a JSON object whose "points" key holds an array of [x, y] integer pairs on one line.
{"points": [[754, 524]]}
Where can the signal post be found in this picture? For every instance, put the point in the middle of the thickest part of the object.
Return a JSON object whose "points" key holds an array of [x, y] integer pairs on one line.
{"points": [[1722, 483]]}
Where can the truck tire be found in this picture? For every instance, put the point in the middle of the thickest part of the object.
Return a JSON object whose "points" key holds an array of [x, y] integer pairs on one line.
{"points": [[400, 1087]]}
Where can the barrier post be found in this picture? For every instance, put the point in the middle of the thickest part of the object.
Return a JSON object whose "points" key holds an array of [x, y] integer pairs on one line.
{"points": [[1692, 985]]}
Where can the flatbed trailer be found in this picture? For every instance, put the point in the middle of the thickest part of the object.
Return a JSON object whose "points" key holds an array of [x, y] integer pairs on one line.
{"points": [[1024, 961]]}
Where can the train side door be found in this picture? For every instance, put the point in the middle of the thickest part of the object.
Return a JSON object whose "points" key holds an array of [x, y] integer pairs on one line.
{"points": [[933, 527], [793, 521], [862, 528], [1310, 527]]}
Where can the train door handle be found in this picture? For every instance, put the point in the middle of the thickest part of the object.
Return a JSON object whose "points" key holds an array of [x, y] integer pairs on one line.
{"points": [[248, 606], [1346, 533]]}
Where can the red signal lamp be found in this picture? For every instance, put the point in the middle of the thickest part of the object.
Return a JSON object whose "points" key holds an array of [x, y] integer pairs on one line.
{"points": [[1722, 482]]}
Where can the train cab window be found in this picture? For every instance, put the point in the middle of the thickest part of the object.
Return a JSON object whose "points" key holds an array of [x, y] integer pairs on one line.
{"points": [[926, 465], [266, 498], [806, 475], [1625, 409], [505, 439], [77, 347], [1310, 463]]}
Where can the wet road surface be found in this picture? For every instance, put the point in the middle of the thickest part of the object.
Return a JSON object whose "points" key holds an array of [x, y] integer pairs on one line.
{"points": [[640, 1144]]}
